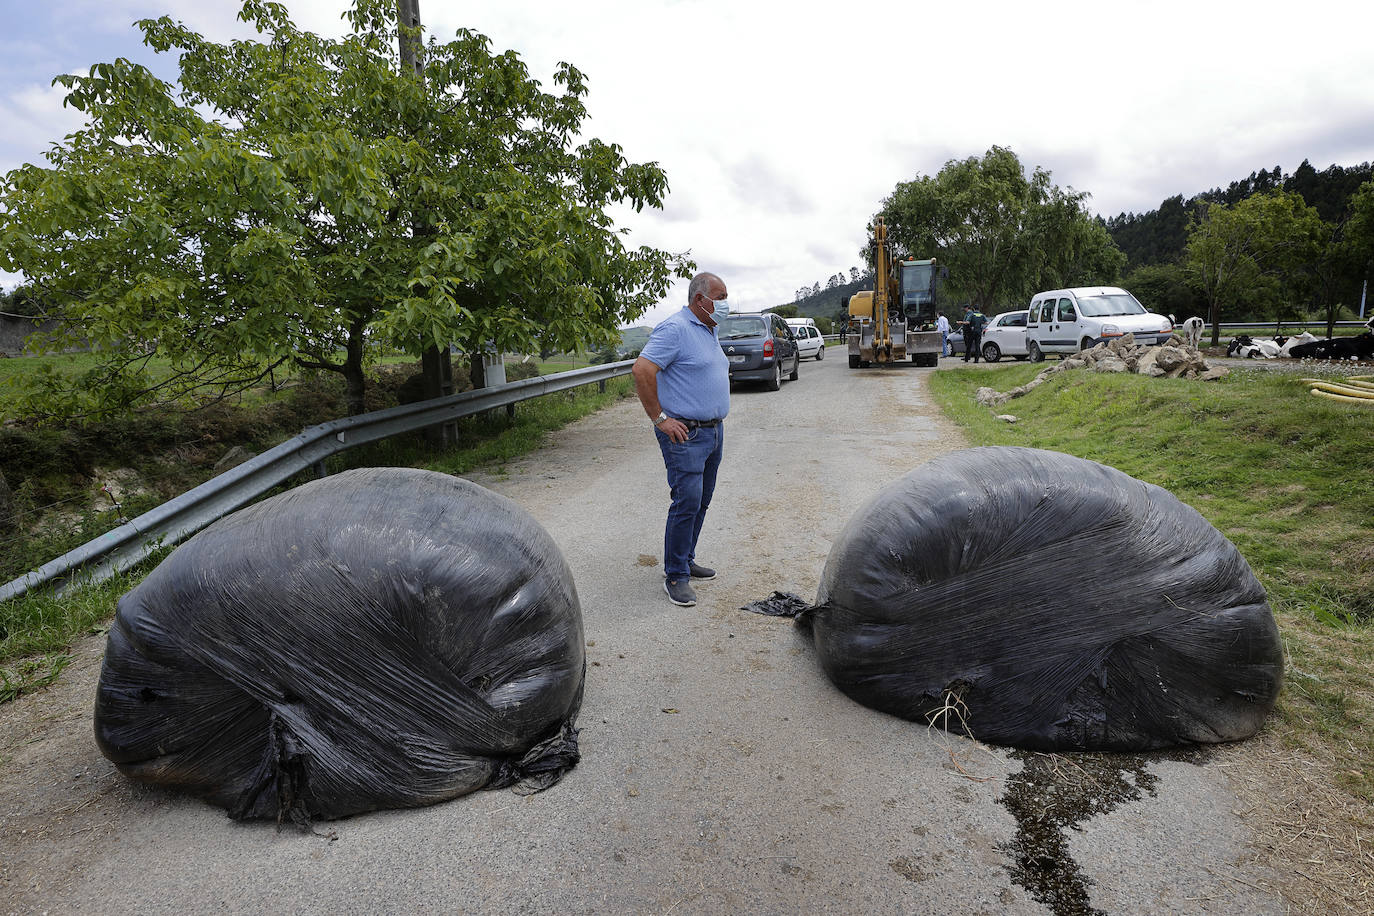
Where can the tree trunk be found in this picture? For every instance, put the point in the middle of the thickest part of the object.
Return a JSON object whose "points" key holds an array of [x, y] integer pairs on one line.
{"points": [[1214, 317], [355, 382], [477, 371]]}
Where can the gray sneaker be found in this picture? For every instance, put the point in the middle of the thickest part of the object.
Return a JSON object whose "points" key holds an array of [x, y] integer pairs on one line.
{"points": [[700, 572], [679, 592]]}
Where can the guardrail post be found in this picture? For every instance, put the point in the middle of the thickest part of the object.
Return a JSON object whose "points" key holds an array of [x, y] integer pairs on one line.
{"points": [[320, 469], [510, 411], [601, 386]]}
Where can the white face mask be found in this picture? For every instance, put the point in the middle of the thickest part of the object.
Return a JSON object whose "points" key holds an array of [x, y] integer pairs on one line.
{"points": [[722, 310]]}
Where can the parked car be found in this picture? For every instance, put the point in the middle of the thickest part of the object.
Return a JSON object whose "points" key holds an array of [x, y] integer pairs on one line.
{"points": [[1005, 335], [1069, 320], [955, 341], [760, 348], [809, 339]]}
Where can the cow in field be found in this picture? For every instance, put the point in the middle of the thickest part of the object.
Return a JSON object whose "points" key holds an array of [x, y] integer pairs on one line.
{"points": [[1361, 347], [1192, 331]]}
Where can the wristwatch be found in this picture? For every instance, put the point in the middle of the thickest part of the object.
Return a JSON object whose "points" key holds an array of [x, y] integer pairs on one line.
{"points": [[660, 418]]}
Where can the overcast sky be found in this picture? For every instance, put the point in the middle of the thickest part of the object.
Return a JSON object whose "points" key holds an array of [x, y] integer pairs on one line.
{"points": [[782, 127]]}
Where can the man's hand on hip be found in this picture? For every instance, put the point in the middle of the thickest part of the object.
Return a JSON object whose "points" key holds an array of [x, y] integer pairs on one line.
{"points": [[674, 429]]}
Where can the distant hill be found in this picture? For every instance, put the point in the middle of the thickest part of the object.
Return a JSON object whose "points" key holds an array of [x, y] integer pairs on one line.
{"points": [[632, 340], [826, 302]]}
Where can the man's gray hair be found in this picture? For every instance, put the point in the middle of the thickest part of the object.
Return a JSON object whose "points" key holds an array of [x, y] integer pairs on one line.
{"points": [[699, 284]]}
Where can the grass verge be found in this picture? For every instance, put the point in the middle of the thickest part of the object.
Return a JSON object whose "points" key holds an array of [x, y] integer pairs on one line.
{"points": [[1285, 476]]}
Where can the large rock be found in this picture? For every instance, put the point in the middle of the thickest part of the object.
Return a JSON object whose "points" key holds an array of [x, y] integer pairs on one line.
{"points": [[989, 397], [1171, 358]]}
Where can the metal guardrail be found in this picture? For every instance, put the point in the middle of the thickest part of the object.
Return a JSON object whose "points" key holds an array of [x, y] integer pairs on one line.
{"points": [[178, 518]]}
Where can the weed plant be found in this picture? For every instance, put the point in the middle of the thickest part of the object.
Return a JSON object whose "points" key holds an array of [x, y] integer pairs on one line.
{"points": [[1282, 474]]}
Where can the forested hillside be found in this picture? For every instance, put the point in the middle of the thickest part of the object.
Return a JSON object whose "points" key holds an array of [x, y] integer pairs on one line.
{"points": [[1268, 247], [1158, 236], [817, 301]]}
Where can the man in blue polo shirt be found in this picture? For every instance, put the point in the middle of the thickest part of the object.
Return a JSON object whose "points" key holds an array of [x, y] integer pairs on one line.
{"points": [[683, 380]]}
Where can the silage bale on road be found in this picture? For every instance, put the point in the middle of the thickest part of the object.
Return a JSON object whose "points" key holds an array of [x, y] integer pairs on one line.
{"points": [[382, 638], [1046, 602]]}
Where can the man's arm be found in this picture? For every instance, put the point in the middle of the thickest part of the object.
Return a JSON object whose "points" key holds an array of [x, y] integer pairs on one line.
{"points": [[645, 374]]}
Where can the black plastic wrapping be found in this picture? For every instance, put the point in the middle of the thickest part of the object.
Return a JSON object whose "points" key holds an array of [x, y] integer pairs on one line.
{"points": [[382, 638], [1046, 602]]}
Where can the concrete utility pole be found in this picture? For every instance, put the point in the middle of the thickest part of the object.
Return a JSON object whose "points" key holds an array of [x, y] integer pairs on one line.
{"points": [[408, 18], [436, 365]]}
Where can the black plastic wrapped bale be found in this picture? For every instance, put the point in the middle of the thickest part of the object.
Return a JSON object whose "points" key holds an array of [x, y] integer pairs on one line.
{"points": [[382, 638], [1046, 602]]}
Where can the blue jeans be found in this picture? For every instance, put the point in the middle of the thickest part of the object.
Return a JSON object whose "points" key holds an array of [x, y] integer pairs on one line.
{"points": [[692, 478], [944, 343]]}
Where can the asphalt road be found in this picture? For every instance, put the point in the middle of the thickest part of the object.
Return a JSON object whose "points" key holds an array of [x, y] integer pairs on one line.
{"points": [[721, 771]]}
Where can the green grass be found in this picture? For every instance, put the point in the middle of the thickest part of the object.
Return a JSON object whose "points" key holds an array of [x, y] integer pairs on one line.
{"points": [[1282, 474], [66, 363], [37, 629]]}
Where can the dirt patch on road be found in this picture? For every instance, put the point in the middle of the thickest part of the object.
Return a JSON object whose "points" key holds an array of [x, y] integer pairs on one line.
{"points": [[60, 800]]}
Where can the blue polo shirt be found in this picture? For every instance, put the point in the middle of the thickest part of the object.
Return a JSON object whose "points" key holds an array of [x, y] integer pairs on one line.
{"points": [[694, 374]]}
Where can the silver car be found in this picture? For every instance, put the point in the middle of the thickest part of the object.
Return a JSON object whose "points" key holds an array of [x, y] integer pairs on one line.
{"points": [[809, 341]]}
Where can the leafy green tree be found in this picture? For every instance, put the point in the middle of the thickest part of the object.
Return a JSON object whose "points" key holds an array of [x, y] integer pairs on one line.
{"points": [[1002, 233], [1076, 250], [1166, 289], [607, 354], [304, 200], [1244, 251], [23, 301], [1358, 239], [824, 325]]}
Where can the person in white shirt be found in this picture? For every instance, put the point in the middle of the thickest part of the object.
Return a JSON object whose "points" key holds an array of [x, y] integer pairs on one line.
{"points": [[942, 325]]}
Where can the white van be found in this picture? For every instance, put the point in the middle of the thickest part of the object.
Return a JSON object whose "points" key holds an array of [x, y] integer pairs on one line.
{"points": [[1069, 320]]}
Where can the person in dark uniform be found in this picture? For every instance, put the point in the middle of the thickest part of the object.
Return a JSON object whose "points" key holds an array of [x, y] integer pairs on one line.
{"points": [[972, 324]]}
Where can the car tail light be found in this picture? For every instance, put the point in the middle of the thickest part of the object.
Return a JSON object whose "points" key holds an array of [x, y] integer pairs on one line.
{"points": [[768, 348]]}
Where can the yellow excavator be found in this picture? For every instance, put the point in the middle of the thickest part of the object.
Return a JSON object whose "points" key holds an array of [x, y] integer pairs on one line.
{"points": [[896, 318]]}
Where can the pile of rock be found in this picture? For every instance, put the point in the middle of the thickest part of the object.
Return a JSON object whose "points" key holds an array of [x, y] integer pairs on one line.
{"points": [[1174, 359]]}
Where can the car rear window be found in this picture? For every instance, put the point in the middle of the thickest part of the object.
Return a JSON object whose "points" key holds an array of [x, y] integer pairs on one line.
{"points": [[737, 327]]}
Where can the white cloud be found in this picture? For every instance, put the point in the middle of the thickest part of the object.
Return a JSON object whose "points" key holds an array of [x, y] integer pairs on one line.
{"points": [[33, 117], [781, 128]]}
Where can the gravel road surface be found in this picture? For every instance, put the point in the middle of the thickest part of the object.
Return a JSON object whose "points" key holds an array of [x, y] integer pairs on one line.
{"points": [[721, 771]]}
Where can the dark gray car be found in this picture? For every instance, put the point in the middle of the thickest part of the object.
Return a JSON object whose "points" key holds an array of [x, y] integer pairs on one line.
{"points": [[760, 348]]}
